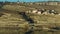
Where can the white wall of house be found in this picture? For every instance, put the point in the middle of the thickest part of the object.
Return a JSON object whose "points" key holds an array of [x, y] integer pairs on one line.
{"points": [[45, 13], [38, 12], [29, 11], [52, 14], [34, 11]]}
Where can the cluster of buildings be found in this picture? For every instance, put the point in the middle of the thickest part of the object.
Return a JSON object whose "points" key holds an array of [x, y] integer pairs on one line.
{"points": [[31, 3], [43, 12], [46, 3]]}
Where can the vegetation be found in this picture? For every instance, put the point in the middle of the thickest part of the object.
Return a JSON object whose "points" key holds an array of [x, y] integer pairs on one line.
{"points": [[12, 22]]}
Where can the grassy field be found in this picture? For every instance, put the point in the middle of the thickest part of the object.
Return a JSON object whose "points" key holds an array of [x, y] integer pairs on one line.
{"points": [[15, 23], [24, 7]]}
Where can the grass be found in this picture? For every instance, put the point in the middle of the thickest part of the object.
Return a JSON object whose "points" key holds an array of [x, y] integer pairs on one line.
{"points": [[47, 21], [23, 7]]}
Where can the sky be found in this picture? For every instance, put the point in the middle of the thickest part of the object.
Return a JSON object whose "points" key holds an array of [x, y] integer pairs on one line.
{"points": [[25, 0]]}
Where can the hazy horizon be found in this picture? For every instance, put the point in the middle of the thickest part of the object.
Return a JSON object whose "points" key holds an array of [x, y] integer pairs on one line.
{"points": [[27, 0]]}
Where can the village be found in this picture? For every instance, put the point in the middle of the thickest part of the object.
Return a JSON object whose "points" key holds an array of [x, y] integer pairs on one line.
{"points": [[29, 17], [43, 12]]}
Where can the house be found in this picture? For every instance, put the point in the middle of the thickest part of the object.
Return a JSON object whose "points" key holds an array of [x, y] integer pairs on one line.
{"points": [[43, 10], [28, 11], [39, 12], [45, 13], [52, 14], [51, 11], [34, 11], [56, 13]]}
